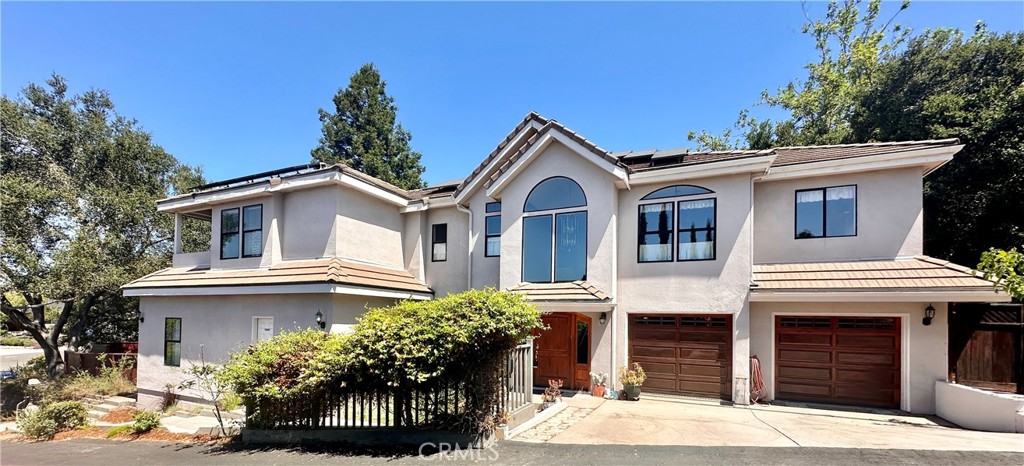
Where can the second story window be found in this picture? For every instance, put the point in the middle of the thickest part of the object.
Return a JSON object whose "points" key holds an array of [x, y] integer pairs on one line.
{"points": [[439, 242], [252, 231], [555, 232], [229, 233], [685, 227], [826, 212], [492, 235], [241, 232]]}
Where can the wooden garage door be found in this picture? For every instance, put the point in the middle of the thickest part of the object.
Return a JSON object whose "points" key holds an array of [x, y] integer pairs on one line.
{"points": [[840, 360], [684, 354]]}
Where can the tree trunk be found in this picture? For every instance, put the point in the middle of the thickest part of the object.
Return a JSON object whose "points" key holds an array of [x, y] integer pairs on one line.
{"points": [[81, 319], [46, 341]]}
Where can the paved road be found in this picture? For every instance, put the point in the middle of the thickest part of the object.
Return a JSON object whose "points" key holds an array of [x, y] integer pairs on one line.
{"points": [[110, 453], [12, 355]]}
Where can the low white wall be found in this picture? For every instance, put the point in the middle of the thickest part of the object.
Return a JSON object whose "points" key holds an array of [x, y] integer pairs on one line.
{"points": [[979, 409], [191, 259]]}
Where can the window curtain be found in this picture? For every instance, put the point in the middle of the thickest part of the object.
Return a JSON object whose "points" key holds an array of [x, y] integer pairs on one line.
{"points": [[699, 243], [840, 193], [662, 249], [809, 196]]}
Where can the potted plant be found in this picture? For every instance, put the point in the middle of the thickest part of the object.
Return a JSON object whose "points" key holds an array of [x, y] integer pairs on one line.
{"points": [[597, 383], [632, 379]]}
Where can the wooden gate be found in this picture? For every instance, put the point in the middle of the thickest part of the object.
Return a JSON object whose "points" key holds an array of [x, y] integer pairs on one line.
{"points": [[986, 346]]}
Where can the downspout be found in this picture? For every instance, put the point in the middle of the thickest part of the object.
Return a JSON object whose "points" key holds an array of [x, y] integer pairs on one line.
{"points": [[469, 249]]}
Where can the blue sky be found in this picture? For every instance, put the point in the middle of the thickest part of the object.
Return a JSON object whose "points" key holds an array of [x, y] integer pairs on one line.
{"points": [[235, 87]]}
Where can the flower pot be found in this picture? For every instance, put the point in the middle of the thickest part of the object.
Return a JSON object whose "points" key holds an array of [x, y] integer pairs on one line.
{"points": [[632, 392], [598, 391]]}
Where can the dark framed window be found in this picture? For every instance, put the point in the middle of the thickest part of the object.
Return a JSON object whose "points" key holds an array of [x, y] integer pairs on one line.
{"points": [[655, 235], [826, 212], [492, 207], [557, 192], [229, 232], [678, 190], [172, 341], [555, 247], [696, 231], [439, 242], [252, 231], [492, 236]]}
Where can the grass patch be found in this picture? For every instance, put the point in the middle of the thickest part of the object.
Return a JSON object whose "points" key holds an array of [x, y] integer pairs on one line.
{"points": [[8, 340]]}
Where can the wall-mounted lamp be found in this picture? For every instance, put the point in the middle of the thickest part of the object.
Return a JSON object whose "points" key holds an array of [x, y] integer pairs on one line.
{"points": [[603, 319], [320, 320], [142, 318], [929, 313]]}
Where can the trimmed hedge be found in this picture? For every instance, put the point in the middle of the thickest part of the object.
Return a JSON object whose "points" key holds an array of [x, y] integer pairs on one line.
{"points": [[463, 338]]}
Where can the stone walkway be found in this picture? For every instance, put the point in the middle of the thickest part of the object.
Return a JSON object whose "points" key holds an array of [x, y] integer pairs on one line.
{"points": [[554, 426]]}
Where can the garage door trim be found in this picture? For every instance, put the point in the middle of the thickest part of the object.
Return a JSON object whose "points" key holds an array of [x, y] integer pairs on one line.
{"points": [[904, 356]]}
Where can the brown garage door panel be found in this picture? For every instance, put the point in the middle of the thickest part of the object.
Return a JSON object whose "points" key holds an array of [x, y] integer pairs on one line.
{"points": [[845, 360], [684, 354]]}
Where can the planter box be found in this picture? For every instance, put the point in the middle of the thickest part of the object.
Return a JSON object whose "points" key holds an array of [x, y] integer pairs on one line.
{"points": [[978, 409]]}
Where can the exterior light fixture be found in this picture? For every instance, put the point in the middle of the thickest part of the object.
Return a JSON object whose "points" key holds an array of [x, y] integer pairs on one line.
{"points": [[929, 313], [320, 320], [603, 319], [142, 318]]}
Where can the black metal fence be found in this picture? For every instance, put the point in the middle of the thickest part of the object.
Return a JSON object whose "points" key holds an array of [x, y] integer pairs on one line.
{"points": [[438, 405]]}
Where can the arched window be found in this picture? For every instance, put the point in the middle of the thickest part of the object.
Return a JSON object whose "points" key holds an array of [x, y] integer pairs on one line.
{"points": [[681, 230], [557, 192], [678, 190], [555, 243]]}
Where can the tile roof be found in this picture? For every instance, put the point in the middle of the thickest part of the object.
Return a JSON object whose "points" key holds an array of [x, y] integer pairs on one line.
{"points": [[327, 271], [806, 154], [577, 291], [921, 273]]}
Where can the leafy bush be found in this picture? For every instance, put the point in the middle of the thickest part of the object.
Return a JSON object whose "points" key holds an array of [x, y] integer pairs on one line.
{"points": [[47, 421], [145, 421], [8, 340], [462, 338], [230, 401], [110, 381]]}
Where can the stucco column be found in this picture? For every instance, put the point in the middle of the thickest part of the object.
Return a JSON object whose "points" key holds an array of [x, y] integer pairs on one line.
{"points": [[177, 233], [741, 356]]}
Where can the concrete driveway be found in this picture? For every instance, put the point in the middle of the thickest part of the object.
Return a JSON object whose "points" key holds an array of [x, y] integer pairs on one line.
{"points": [[665, 422]]}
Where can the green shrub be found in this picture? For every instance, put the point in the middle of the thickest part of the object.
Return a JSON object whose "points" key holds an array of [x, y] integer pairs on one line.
{"points": [[109, 382], [47, 421], [146, 421], [230, 401], [8, 340], [460, 338]]}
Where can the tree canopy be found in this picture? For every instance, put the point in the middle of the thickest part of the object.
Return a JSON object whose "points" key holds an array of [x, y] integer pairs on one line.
{"points": [[363, 132], [79, 185], [873, 82]]}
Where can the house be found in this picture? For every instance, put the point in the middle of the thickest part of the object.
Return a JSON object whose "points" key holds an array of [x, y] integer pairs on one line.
{"points": [[690, 263]]}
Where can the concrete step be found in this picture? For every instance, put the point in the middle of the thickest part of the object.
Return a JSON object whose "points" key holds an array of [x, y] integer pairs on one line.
{"points": [[123, 400], [93, 414], [106, 408]]}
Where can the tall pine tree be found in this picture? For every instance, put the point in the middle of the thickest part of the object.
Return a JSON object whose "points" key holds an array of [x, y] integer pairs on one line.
{"points": [[362, 132]]}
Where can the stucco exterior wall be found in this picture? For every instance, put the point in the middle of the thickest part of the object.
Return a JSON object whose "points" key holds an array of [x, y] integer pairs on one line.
{"points": [[222, 324], [309, 225], [450, 275], [923, 348], [889, 218], [486, 270], [270, 234], [717, 286], [368, 229], [602, 198]]}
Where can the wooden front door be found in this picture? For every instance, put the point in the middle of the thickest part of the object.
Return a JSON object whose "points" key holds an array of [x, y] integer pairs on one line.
{"points": [[563, 351]]}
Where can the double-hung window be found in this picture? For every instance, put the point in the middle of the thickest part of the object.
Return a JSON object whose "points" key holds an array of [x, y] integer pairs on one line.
{"points": [[172, 341], [826, 212], [681, 230], [439, 242], [493, 232], [241, 232]]}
